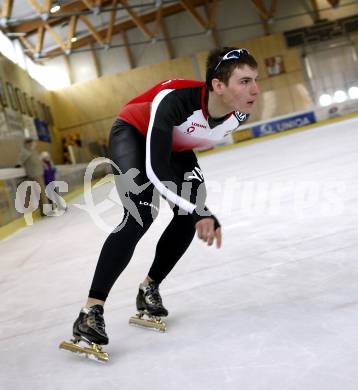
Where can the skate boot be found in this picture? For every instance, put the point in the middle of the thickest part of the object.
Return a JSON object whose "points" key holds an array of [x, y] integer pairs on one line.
{"points": [[150, 308], [89, 328]]}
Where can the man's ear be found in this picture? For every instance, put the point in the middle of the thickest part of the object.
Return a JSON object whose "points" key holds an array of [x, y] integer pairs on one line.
{"points": [[217, 86]]}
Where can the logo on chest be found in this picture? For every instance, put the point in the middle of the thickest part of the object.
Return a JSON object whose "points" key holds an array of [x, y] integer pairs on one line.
{"points": [[194, 126]]}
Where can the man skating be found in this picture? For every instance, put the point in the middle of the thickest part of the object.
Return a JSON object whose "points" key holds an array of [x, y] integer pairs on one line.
{"points": [[155, 135]]}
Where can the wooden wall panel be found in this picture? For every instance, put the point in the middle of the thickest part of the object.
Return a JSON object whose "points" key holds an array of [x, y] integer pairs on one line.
{"points": [[255, 47], [201, 61], [292, 61], [101, 99], [9, 150]]}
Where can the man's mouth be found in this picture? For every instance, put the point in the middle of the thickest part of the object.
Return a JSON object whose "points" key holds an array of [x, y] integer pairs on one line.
{"points": [[250, 102]]}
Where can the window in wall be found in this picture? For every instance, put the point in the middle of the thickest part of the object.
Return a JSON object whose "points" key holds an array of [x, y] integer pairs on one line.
{"points": [[332, 70]]}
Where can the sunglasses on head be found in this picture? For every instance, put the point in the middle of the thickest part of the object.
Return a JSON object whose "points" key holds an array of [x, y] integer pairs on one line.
{"points": [[231, 55]]}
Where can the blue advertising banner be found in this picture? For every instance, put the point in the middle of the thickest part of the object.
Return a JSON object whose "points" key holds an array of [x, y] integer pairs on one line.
{"points": [[42, 130], [284, 124]]}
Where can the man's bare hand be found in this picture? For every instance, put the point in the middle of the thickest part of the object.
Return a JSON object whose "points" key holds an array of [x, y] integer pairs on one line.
{"points": [[206, 232]]}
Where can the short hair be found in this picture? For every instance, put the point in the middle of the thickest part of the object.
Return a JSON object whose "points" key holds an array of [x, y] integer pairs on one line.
{"points": [[225, 69]]}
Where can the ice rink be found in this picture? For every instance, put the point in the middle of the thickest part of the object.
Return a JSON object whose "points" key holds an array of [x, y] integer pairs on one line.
{"points": [[275, 308]]}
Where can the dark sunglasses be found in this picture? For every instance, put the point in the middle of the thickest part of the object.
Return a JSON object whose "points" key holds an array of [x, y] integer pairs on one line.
{"points": [[231, 55]]}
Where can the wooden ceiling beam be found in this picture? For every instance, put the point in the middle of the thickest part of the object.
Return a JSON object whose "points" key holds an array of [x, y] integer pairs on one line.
{"points": [[273, 9], [168, 42], [36, 6], [39, 10], [88, 4], [92, 30], [47, 5], [40, 39], [68, 68], [96, 63], [56, 37], [333, 3], [112, 19], [71, 31], [7, 9], [31, 27], [128, 50], [137, 19], [210, 9], [161, 27], [27, 45], [126, 25], [264, 14], [261, 9], [315, 9], [193, 12], [158, 19], [41, 30], [265, 26]]}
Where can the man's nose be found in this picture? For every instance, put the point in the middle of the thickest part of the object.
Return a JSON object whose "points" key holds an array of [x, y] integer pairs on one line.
{"points": [[255, 90]]}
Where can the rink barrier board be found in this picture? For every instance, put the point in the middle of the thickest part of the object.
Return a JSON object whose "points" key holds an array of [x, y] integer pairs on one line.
{"points": [[18, 224]]}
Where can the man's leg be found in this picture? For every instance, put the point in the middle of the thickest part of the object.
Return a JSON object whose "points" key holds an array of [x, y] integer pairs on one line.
{"points": [[115, 255], [117, 252], [171, 246], [177, 237], [43, 198], [127, 152]]}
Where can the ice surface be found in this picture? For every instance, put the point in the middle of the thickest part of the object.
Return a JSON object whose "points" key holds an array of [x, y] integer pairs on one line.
{"points": [[275, 308]]}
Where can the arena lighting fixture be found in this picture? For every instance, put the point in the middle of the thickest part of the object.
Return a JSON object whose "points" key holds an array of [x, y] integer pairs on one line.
{"points": [[339, 96], [55, 8], [353, 92], [73, 39], [325, 100]]}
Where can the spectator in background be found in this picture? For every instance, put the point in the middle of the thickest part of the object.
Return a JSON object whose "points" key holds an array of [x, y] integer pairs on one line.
{"points": [[49, 175], [30, 160]]}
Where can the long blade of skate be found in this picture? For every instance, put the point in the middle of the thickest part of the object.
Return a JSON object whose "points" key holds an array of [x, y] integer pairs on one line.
{"points": [[95, 352], [155, 323]]}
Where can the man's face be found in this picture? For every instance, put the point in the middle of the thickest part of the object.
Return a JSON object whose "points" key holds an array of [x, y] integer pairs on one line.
{"points": [[31, 145], [242, 90]]}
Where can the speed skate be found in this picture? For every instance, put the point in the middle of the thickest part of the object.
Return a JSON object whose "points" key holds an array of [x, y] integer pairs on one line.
{"points": [[86, 348], [146, 320], [89, 334], [150, 308]]}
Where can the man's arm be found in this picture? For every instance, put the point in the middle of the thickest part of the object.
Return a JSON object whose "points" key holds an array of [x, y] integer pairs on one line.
{"points": [[23, 156], [164, 115]]}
